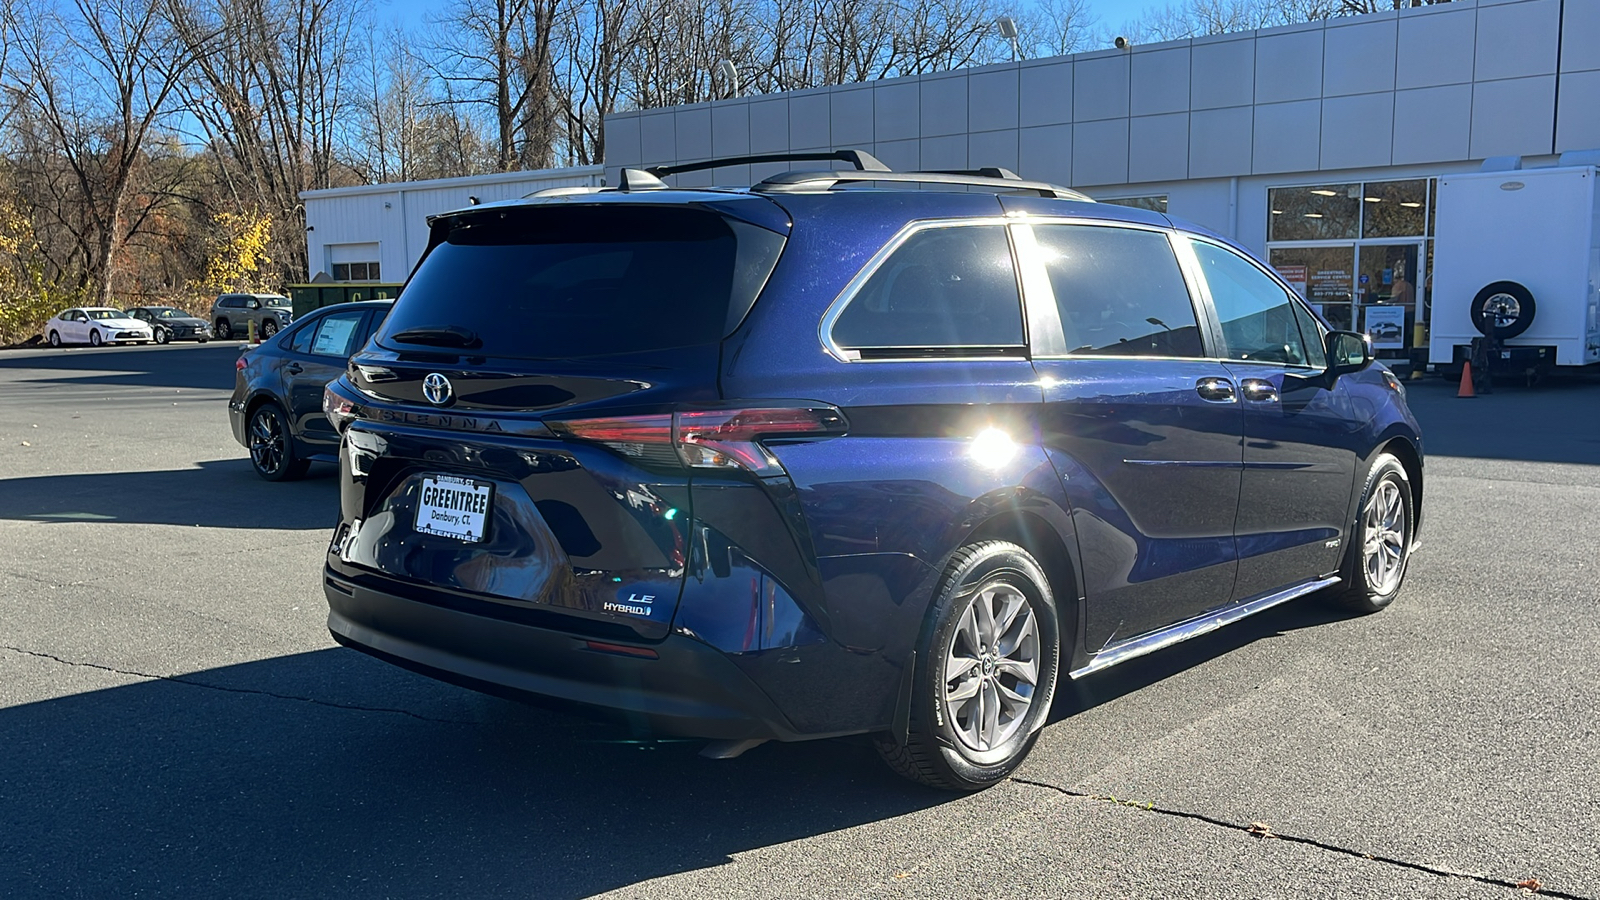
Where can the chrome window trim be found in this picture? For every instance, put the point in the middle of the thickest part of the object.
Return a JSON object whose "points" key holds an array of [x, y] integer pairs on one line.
{"points": [[853, 287]]}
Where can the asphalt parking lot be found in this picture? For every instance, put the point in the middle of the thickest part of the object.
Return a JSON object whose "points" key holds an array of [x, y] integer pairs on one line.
{"points": [[175, 721]]}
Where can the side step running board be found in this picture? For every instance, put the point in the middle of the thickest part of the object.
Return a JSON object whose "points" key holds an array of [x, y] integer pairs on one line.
{"points": [[1173, 634]]}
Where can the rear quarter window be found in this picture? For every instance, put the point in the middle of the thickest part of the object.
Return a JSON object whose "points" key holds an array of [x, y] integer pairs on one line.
{"points": [[944, 288]]}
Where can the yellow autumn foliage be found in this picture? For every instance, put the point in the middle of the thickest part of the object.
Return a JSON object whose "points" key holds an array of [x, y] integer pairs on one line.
{"points": [[238, 258]]}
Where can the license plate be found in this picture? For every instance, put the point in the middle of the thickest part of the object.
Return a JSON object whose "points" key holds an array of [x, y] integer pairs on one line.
{"points": [[1505, 354], [454, 507]]}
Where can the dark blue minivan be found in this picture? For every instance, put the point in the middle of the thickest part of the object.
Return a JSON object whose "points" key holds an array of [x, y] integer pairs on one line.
{"points": [[849, 451]]}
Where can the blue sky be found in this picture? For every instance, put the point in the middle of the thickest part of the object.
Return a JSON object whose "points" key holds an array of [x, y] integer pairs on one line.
{"points": [[1108, 13]]}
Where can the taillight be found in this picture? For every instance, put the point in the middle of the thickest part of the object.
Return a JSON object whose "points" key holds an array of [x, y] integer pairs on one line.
{"points": [[340, 410], [647, 439], [239, 364], [707, 438]]}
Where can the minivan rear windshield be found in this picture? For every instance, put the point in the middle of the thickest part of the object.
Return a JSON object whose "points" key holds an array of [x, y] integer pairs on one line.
{"points": [[569, 281]]}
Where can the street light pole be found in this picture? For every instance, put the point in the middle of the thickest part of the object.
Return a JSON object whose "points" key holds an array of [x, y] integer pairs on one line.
{"points": [[1008, 30]]}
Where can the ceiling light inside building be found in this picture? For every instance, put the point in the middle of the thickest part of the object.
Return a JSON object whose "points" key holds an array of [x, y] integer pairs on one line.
{"points": [[1313, 215], [1324, 192], [1410, 204], [1373, 199]]}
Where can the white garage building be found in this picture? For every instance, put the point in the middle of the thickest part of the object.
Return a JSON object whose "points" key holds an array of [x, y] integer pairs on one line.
{"points": [[377, 232], [1318, 144]]}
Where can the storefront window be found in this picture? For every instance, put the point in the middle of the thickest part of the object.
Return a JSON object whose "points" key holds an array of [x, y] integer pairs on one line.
{"points": [[1361, 254], [1324, 276], [1394, 208], [1316, 213]]}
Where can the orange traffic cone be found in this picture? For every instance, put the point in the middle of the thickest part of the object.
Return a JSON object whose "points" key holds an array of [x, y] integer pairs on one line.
{"points": [[1466, 381]]}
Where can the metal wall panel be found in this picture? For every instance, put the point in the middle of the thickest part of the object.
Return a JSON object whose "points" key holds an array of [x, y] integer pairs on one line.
{"points": [[1290, 63], [1518, 39], [769, 125], [1513, 117], [1100, 86], [1160, 81], [1158, 147], [1046, 94], [1223, 72], [1288, 137], [1360, 58], [1436, 45], [1100, 152], [1357, 131], [944, 105], [1432, 124], [992, 98]]}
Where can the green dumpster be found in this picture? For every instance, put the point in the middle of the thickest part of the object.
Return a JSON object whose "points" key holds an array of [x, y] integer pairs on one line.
{"points": [[307, 297]]}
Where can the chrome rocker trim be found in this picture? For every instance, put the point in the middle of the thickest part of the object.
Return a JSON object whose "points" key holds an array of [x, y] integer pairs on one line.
{"points": [[1173, 634]]}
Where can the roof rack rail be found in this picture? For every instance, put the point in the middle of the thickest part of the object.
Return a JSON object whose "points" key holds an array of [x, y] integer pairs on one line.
{"points": [[861, 159], [808, 182], [985, 172], [564, 191]]}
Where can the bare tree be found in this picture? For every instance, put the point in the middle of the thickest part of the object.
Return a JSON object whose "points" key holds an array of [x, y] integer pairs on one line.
{"points": [[95, 79], [270, 94], [496, 55]]}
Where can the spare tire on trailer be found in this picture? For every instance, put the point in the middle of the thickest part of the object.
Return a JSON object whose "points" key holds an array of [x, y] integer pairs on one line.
{"points": [[1503, 310]]}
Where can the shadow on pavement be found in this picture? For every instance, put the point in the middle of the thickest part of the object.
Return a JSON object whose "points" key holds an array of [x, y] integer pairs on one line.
{"points": [[171, 789], [1548, 423], [224, 493], [177, 366]]}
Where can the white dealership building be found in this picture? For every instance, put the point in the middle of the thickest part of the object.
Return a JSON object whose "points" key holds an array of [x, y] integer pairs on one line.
{"points": [[1319, 145]]}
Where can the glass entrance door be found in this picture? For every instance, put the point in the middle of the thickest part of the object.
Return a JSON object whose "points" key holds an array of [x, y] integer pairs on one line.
{"points": [[1386, 294]]}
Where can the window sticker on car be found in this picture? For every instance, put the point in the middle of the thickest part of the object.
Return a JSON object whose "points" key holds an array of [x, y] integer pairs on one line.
{"points": [[333, 338]]}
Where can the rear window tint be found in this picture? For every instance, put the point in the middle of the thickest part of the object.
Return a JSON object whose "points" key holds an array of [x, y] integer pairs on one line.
{"points": [[944, 287], [575, 281]]}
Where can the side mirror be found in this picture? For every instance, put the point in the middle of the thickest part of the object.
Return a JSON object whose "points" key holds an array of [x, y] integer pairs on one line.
{"points": [[1348, 351]]}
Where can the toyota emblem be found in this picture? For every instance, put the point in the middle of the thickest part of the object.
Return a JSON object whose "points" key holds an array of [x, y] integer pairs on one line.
{"points": [[436, 388]]}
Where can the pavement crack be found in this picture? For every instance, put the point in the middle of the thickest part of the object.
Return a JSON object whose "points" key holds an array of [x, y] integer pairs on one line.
{"points": [[192, 682], [1254, 830]]}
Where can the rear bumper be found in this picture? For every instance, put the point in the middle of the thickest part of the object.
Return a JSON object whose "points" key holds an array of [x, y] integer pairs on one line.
{"points": [[690, 689], [236, 422]]}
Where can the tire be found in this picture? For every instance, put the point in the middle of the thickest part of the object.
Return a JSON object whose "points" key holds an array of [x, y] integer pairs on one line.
{"points": [[223, 331], [1503, 310], [94, 338], [162, 336], [203, 340], [55, 339], [950, 743], [268, 329], [271, 446], [1385, 524]]}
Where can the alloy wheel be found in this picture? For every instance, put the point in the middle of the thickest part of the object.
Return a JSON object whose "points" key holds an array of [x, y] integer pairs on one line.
{"points": [[991, 667], [1384, 545], [266, 440]]}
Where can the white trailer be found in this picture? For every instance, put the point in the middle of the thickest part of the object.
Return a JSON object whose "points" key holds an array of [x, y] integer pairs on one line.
{"points": [[1517, 253]]}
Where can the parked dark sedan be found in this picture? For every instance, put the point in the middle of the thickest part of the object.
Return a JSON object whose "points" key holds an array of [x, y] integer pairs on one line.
{"points": [[276, 408], [172, 324]]}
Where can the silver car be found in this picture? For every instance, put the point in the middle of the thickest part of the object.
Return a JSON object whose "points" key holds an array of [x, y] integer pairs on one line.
{"points": [[232, 314]]}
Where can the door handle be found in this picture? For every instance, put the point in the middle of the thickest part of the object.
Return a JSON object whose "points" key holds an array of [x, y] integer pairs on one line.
{"points": [[1217, 390], [293, 368], [1258, 390]]}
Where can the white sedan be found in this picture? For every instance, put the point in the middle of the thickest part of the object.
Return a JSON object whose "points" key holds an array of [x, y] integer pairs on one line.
{"points": [[95, 325]]}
